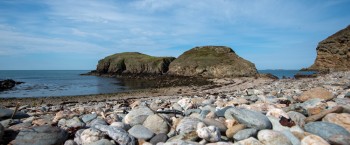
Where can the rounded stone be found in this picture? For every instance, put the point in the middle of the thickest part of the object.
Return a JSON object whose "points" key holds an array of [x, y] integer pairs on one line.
{"points": [[245, 133], [342, 119], [271, 137], [249, 118], [137, 115], [187, 125], [313, 140], [234, 129], [297, 117], [41, 135], [91, 135], [162, 137], [213, 122], [156, 124], [318, 92], [248, 141], [140, 132], [88, 117], [325, 129], [210, 133]]}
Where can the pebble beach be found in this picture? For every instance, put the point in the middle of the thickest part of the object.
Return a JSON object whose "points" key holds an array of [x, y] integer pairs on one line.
{"points": [[239, 111]]}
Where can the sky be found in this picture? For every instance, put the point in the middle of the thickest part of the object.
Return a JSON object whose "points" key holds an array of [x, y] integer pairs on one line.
{"points": [[75, 34]]}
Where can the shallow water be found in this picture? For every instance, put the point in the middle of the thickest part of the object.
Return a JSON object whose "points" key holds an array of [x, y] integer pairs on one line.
{"points": [[39, 83], [285, 73]]}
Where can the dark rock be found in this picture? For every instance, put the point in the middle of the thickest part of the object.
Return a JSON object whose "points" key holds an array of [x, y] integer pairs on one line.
{"points": [[2, 130], [133, 63], [326, 130], [211, 62], [7, 113], [162, 137], [333, 53], [7, 84], [249, 118], [41, 135]]}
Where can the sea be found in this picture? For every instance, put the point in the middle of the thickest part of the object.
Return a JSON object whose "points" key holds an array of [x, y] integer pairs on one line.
{"points": [[50, 83]]}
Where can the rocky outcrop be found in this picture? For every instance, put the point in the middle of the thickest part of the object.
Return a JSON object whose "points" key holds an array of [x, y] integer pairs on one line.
{"points": [[212, 62], [8, 84], [133, 63], [333, 53]]}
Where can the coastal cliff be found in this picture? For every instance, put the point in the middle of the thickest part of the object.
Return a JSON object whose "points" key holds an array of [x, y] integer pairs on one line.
{"points": [[133, 63], [333, 53], [212, 62]]}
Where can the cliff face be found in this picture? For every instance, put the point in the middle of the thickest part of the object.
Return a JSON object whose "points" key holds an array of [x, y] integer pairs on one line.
{"points": [[333, 53], [212, 62], [133, 63]]}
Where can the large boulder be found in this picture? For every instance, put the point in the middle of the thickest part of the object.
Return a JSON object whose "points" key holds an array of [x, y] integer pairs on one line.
{"points": [[211, 62], [333, 53], [133, 63]]}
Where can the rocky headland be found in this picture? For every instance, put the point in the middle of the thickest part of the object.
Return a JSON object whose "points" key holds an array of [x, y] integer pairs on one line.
{"points": [[133, 63], [333, 53], [212, 62]]}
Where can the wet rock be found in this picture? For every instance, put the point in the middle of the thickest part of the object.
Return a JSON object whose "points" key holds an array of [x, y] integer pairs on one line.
{"points": [[234, 129], [88, 117], [249, 118], [342, 119], [313, 140], [141, 132], [156, 124], [245, 133], [41, 135], [187, 125], [210, 133], [248, 141], [297, 117], [325, 130], [91, 135], [8, 84], [318, 92], [137, 115], [162, 137], [117, 134], [271, 137]]}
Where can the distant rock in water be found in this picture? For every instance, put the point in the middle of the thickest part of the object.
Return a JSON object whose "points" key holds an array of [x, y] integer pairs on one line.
{"points": [[333, 53], [8, 84], [212, 62], [133, 63]]}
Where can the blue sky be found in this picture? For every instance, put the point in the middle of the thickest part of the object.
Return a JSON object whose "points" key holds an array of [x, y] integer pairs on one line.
{"points": [[75, 34]]}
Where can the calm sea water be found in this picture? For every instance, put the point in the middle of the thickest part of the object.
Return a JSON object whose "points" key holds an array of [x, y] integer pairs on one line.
{"points": [[39, 83], [286, 73]]}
